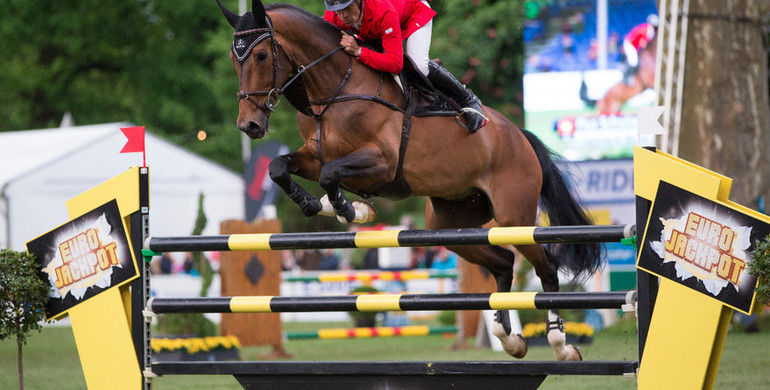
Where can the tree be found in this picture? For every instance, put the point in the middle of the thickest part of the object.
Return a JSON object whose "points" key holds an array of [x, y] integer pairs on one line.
{"points": [[155, 63], [481, 42], [725, 111], [164, 65], [23, 296]]}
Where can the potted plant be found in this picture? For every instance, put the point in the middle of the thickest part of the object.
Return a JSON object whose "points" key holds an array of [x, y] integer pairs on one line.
{"points": [[364, 319], [196, 349], [760, 266], [577, 333], [23, 296]]}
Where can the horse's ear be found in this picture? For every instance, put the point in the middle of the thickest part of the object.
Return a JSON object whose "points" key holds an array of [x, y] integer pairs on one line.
{"points": [[259, 12], [231, 16]]}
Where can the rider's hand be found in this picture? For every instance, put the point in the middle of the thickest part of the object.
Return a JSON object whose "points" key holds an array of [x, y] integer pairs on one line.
{"points": [[348, 42]]}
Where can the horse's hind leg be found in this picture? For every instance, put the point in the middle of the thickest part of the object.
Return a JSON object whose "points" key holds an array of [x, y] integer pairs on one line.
{"points": [[546, 268], [474, 212], [499, 261], [514, 205]]}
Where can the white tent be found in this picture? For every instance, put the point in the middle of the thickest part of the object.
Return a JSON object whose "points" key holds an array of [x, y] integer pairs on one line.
{"points": [[41, 169]]}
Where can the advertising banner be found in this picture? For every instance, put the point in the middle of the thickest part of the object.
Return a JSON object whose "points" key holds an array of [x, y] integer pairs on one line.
{"points": [[84, 257], [261, 192], [702, 244], [589, 66]]}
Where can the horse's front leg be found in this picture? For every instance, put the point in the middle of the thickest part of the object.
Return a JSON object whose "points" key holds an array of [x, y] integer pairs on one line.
{"points": [[304, 165], [365, 162]]}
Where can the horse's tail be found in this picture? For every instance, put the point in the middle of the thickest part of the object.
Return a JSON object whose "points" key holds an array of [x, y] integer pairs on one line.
{"points": [[563, 209], [584, 94]]}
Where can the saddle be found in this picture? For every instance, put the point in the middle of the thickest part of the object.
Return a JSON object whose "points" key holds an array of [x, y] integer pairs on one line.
{"points": [[429, 101]]}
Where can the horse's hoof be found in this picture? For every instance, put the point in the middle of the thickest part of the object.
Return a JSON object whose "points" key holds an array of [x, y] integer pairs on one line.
{"points": [[563, 350], [364, 212], [521, 350], [513, 344], [571, 353]]}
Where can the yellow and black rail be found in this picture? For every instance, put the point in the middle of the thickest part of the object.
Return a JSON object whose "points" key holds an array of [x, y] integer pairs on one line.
{"points": [[395, 238], [395, 302]]}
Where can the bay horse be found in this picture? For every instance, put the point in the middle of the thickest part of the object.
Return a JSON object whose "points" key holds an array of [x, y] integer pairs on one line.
{"points": [[643, 78], [351, 119]]}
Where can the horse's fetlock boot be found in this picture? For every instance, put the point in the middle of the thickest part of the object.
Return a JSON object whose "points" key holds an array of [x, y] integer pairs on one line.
{"points": [[554, 325], [504, 319], [349, 213], [311, 206], [344, 209]]}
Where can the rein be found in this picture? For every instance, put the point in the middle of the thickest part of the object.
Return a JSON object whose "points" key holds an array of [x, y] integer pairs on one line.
{"points": [[275, 93], [273, 96]]}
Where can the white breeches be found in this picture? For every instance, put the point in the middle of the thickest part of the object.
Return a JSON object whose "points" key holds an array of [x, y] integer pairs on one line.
{"points": [[632, 58], [418, 46]]}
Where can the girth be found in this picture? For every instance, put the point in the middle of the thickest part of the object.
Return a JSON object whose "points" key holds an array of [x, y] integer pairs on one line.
{"points": [[398, 188]]}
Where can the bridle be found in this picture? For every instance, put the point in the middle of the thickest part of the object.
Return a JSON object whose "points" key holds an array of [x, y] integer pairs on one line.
{"points": [[304, 104], [273, 96]]}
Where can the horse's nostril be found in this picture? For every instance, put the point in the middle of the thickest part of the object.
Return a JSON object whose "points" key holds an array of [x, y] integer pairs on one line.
{"points": [[248, 127]]}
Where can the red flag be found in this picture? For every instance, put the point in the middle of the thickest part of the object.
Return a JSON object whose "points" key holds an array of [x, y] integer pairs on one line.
{"points": [[135, 142]]}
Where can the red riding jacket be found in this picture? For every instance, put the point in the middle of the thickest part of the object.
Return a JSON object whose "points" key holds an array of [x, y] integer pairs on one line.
{"points": [[641, 35], [392, 21]]}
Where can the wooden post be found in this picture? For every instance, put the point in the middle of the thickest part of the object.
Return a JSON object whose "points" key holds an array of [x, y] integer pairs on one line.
{"points": [[473, 279], [252, 273]]}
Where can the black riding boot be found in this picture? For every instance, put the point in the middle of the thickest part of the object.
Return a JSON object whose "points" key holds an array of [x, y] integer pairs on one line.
{"points": [[447, 84]]}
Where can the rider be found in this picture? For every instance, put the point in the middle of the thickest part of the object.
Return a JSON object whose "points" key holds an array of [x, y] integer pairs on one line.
{"points": [[394, 21], [636, 41]]}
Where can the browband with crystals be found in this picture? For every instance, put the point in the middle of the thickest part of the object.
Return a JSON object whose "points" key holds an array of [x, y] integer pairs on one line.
{"points": [[246, 40]]}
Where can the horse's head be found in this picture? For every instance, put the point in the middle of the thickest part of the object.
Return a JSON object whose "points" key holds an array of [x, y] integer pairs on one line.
{"points": [[255, 56]]}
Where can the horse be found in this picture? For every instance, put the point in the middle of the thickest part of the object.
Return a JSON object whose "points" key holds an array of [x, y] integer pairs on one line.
{"points": [[643, 78], [353, 120]]}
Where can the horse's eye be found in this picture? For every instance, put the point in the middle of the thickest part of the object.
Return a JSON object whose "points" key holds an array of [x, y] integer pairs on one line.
{"points": [[261, 56]]}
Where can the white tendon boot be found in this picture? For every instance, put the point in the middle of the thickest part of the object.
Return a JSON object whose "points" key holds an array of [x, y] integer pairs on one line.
{"points": [[513, 344], [558, 339], [364, 211]]}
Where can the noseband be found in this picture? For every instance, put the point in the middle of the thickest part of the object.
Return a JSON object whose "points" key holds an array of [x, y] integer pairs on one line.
{"points": [[273, 96]]}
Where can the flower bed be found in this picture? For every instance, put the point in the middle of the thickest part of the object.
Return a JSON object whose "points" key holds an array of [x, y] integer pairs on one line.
{"points": [[577, 333], [195, 349]]}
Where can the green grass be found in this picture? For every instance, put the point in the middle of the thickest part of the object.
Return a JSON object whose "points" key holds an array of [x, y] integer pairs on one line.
{"points": [[51, 361]]}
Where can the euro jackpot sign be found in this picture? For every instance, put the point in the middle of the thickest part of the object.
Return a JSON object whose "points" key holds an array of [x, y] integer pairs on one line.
{"points": [[84, 257], [702, 244]]}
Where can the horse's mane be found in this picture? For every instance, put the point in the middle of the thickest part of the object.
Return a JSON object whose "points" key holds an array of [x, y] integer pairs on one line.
{"points": [[319, 25]]}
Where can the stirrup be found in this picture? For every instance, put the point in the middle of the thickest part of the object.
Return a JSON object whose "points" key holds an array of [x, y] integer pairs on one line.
{"points": [[469, 110]]}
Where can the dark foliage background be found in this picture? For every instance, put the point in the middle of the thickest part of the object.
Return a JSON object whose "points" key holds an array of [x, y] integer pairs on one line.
{"points": [[164, 64]]}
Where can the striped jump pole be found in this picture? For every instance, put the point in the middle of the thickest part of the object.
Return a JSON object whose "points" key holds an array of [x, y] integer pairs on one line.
{"points": [[363, 276], [378, 331], [395, 302], [394, 238]]}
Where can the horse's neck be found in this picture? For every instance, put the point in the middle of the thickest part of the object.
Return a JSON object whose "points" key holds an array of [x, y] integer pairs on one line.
{"points": [[324, 78]]}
